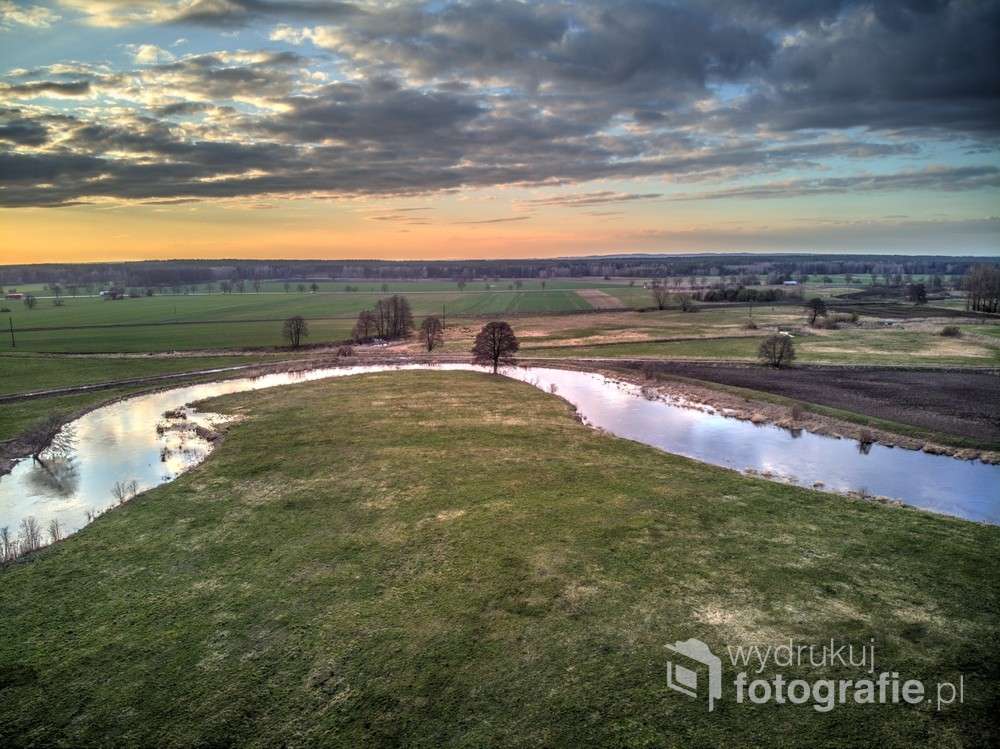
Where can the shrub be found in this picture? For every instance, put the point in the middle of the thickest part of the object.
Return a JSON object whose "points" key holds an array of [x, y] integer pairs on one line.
{"points": [[345, 351], [951, 331]]}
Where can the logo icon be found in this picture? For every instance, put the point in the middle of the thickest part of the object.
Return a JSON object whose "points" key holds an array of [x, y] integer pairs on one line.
{"points": [[684, 678]]}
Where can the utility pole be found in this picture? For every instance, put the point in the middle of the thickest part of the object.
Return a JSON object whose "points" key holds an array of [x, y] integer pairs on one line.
{"points": [[13, 343]]}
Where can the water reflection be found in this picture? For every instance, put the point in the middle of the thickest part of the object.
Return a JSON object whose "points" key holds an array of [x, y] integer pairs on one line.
{"points": [[55, 476], [133, 441]]}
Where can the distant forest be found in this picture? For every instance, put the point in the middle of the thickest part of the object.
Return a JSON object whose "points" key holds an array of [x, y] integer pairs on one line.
{"points": [[167, 273]]}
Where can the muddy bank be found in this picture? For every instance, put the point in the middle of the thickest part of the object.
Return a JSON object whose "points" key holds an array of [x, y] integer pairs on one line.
{"points": [[704, 397], [962, 404]]}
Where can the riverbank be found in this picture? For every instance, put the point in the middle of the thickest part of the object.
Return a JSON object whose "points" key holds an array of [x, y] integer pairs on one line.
{"points": [[418, 534], [790, 415], [97, 395], [689, 383]]}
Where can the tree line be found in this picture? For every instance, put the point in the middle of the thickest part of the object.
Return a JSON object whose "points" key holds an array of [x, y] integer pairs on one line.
{"points": [[187, 273], [982, 287]]}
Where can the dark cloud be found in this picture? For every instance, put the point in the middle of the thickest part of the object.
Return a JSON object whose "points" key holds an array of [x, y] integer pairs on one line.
{"points": [[240, 12], [941, 178], [495, 220], [921, 65], [19, 131], [632, 46], [441, 95], [585, 200], [45, 88], [380, 112]]}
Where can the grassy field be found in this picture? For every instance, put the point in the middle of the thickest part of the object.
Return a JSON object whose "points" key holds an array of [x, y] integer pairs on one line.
{"points": [[354, 589]]}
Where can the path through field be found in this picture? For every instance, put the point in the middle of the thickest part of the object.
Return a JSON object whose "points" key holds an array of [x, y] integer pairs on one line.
{"points": [[599, 299]]}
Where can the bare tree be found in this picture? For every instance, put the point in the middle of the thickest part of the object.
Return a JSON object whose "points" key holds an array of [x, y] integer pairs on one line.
{"points": [[495, 344], [30, 301], [817, 308], [660, 295], [916, 293], [687, 303], [777, 350], [125, 490], [120, 491], [31, 535], [55, 530], [365, 327], [46, 433], [8, 546], [294, 330], [432, 332]]}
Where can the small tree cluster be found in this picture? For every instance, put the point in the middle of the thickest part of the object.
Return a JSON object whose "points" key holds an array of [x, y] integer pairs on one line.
{"points": [[391, 318], [982, 284]]}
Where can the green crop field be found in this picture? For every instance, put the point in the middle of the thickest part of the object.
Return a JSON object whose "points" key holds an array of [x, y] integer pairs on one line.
{"points": [[355, 589], [184, 322], [519, 302], [19, 374]]}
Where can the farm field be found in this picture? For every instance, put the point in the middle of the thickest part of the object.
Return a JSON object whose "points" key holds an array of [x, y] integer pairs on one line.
{"points": [[182, 322], [550, 319], [840, 347], [186, 337], [365, 595]]}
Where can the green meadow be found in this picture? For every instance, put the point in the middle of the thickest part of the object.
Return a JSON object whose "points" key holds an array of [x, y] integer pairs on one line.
{"points": [[450, 559]]}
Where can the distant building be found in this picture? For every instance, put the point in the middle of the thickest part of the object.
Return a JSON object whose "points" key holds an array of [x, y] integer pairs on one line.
{"points": [[14, 295], [790, 283]]}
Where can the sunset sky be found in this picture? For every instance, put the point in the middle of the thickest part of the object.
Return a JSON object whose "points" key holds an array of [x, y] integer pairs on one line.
{"points": [[262, 128]]}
